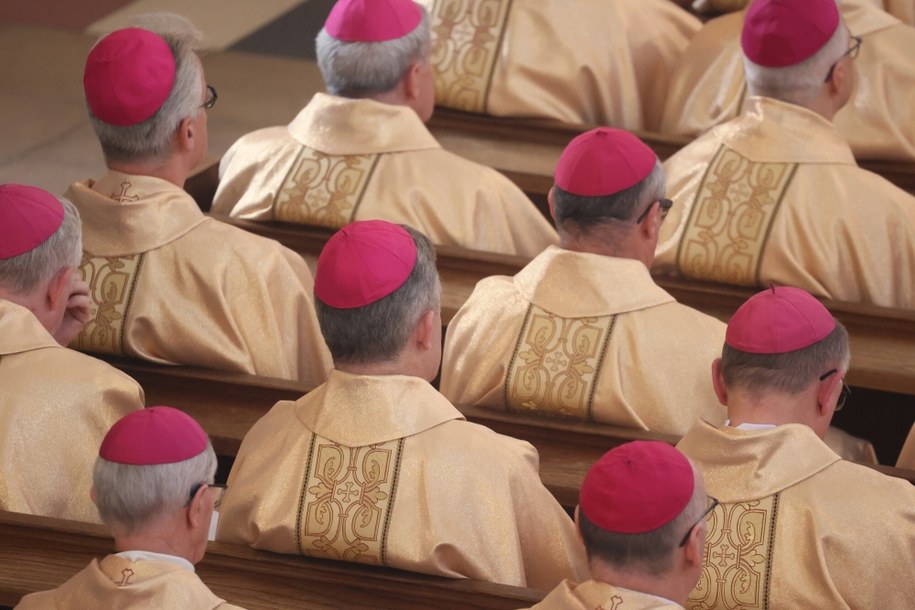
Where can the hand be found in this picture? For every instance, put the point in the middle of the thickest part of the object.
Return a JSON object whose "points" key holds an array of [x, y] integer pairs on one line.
{"points": [[77, 312]]}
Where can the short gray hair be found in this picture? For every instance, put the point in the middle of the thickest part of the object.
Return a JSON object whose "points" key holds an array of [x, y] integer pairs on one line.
{"points": [[24, 273], [151, 139], [133, 497], [379, 331], [798, 83], [363, 69]]}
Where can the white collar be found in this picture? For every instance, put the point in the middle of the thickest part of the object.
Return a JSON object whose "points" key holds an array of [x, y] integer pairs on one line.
{"points": [[749, 426], [150, 556]]}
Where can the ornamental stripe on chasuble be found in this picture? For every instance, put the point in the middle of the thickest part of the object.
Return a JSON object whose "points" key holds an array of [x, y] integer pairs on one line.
{"points": [[737, 572], [731, 218], [323, 190], [346, 500], [467, 36], [556, 363], [112, 281]]}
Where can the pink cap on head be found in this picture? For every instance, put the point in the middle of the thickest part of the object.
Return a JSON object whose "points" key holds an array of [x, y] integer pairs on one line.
{"points": [[778, 320], [129, 75], [28, 217], [779, 33], [637, 487], [372, 20], [364, 262], [602, 162], [154, 435]]}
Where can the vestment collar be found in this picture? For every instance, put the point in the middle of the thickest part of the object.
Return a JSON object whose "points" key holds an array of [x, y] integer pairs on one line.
{"points": [[20, 330], [150, 556]]}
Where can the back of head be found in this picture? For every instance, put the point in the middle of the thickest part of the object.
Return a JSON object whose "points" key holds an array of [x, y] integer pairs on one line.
{"points": [[39, 236], [366, 46], [374, 281], [140, 83]]}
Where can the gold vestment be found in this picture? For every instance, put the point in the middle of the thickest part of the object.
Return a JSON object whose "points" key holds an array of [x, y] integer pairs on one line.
{"points": [[383, 470], [798, 527], [586, 336], [594, 595], [335, 164], [775, 196], [56, 406], [907, 455], [171, 285]]}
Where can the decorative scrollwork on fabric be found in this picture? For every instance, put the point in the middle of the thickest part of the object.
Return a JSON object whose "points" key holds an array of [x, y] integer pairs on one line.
{"points": [[112, 280]]}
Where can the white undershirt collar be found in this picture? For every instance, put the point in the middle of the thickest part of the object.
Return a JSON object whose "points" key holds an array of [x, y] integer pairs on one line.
{"points": [[150, 556]]}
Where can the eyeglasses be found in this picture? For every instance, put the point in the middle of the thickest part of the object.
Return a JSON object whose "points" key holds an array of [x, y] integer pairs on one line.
{"points": [[713, 502], [844, 394], [852, 52], [665, 204], [211, 98], [218, 490]]}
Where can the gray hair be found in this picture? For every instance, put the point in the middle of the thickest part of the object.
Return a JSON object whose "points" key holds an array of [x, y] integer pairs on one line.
{"points": [[646, 553], [24, 273], [363, 69], [788, 373], [798, 83], [151, 139], [379, 331], [133, 497]]}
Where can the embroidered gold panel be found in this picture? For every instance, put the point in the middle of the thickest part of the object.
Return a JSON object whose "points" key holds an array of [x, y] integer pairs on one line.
{"points": [[112, 280], [346, 501], [467, 35], [324, 190], [729, 224], [556, 363], [738, 557]]}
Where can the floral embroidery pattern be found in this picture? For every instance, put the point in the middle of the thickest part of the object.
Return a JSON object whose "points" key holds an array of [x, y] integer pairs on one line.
{"points": [[112, 280]]}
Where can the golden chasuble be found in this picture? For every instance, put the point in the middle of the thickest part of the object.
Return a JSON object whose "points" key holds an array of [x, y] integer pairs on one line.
{"points": [[585, 336], [343, 160], [775, 196], [116, 582], [797, 526], [708, 86], [594, 595], [604, 63], [907, 455], [384, 470], [904, 10], [56, 405], [170, 285]]}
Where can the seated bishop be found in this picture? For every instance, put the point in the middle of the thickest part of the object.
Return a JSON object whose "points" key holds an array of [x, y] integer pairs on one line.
{"points": [[362, 151], [56, 404], [375, 466], [775, 195], [583, 331], [167, 283]]}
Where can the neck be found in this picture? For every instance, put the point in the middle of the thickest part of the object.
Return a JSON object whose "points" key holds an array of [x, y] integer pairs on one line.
{"points": [[172, 170], [771, 408], [402, 365], [667, 585], [158, 538], [606, 243]]}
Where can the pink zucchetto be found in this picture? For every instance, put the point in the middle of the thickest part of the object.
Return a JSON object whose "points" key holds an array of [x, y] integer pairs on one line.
{"points": [[637, 487], [372, 20], [364, 262], [779, 33], [154, 435], [129, 74], [779, 320], [28, 217], [603, 162]]}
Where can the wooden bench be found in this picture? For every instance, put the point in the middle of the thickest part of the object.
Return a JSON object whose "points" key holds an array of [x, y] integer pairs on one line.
{"points": [[40, 553]]}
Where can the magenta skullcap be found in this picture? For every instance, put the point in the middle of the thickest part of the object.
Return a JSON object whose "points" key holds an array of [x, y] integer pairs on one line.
{"points": [[154, 435], [28, 217], [779, 320], [603, 162], [364, 262], [129, 75], [637, 487], [372, 20], [779, 33]]}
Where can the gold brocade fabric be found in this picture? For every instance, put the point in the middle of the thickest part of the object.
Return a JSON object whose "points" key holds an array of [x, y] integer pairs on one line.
{"points": [[904, 10], [594, 595], [587, 336], [384, 470], [775, 196], [335, 163], [56, 405], [170, 285], [708, 87], [116, 582], [604, 63], [798, 527], [907, 455]]}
